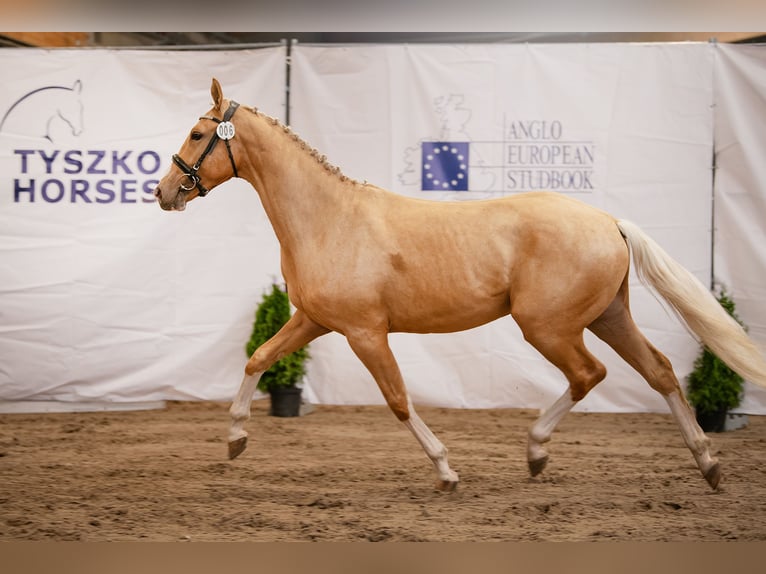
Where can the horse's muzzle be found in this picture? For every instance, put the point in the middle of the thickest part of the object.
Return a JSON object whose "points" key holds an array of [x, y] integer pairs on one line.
{"points": [[178, 203]]}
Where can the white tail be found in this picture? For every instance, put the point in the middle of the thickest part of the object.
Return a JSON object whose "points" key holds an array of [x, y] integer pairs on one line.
{"points": [[695, 305]]}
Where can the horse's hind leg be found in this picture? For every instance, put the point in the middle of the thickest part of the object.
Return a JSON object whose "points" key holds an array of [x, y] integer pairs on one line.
{"points": [[542, 429], [616, 327], [582, 370], [373, 350], [296, 333]]}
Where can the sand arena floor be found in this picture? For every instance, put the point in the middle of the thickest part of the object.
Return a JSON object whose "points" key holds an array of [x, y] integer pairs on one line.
{"points": [[356, 474]]}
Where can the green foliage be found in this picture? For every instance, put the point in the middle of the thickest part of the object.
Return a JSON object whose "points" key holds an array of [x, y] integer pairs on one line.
{"points": [[712, 385], [273, 312]]}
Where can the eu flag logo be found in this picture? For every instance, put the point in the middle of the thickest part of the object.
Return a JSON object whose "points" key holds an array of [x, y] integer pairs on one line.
{"points": [[445, 166]]}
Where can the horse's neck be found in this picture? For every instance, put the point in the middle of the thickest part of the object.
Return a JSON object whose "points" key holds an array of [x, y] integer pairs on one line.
{"points": [[300, 192]]}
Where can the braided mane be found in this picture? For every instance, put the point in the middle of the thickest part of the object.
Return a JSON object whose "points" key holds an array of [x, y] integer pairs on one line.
{"points": [[313, 152]]}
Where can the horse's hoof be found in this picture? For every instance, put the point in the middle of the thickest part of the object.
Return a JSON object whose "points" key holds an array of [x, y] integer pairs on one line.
{"points": [[537, 466], [713, 476], [446, 485], [237, 447]]}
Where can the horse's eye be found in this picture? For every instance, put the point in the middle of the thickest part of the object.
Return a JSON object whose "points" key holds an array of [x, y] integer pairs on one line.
{"points": [[196, 136]]}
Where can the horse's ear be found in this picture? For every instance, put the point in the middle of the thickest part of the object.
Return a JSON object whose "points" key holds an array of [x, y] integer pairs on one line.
{"points": [[217, 93]]}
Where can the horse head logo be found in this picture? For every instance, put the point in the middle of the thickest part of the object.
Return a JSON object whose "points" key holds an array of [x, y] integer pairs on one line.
{"points": [[46, 112]]}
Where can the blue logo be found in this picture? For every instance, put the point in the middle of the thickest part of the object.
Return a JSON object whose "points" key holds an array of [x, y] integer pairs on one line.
{"points": [[444, 166]]}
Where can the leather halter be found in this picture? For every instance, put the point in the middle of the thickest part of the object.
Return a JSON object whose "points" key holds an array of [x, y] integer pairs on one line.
{"points": [[191, 172]]}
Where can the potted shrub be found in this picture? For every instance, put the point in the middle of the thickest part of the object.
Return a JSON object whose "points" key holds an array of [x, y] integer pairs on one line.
{"points": [[712, 387], [282, 379]]}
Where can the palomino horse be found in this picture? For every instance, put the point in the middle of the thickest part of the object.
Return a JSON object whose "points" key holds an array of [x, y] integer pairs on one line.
{"points": [[365, 262]]}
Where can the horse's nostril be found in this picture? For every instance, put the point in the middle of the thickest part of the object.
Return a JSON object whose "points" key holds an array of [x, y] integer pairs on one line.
{"points": [[157, 192]]}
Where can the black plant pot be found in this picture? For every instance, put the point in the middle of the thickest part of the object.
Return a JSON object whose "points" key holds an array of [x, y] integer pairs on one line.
{"points": [[285, 402], [712, 421]]}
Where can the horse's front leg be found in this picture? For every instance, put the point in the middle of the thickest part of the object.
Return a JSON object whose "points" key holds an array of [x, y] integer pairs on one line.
{"points": [[373, 350], [296, 333]]}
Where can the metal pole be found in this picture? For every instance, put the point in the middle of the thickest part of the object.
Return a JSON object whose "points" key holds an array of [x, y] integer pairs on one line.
{"points": [[713, 167], [288, 61]]}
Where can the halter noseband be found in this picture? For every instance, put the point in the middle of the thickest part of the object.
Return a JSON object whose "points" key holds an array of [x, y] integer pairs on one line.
{"points": [[191, 172]]}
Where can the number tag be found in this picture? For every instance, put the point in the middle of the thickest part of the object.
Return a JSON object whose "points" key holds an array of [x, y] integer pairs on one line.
{"points": [[225, 130]]}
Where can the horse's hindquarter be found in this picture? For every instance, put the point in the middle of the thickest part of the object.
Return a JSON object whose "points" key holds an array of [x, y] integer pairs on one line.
{"points": [[571, 262]]}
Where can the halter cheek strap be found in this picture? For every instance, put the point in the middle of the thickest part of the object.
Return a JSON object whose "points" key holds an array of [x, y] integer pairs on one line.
{"points": [[191, 172]]}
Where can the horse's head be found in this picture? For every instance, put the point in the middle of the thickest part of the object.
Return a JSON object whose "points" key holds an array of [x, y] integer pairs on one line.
{"points": [[201, 163]]}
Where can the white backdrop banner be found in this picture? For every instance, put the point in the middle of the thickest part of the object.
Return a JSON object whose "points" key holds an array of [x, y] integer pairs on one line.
{"points": [[627, 128], [106, 297], [740, 190], [103, 296]]}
